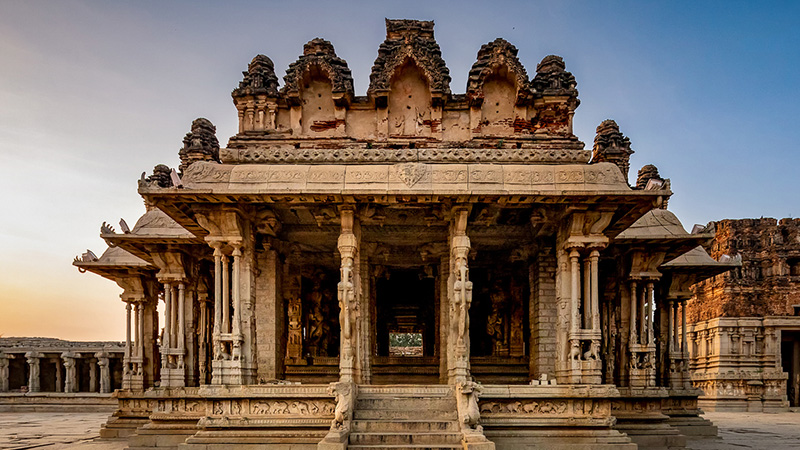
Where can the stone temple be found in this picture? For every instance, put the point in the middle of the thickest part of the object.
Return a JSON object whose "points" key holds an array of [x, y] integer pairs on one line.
{"points": [[412, 268]]}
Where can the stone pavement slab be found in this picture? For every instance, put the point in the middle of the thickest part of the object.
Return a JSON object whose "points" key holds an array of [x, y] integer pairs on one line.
{"points": [[79, 431], [741, 430], [54, 431]]}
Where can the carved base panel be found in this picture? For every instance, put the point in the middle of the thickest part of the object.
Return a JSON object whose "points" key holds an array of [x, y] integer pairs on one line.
{"points": [[575, 371], [228, 372], [173, 378], [742, 391], [219, 416], [640, 415], [553, 416]]}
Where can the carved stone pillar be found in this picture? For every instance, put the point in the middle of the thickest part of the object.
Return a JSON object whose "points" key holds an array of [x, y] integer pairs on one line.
{"points": [[173, 347], [93, 376], [460, 300], [34, 384], [71, 372], [578, 334], [642, 345], [349, 289], [4, 372], [127, 365], [105, 373], [231, 236]]}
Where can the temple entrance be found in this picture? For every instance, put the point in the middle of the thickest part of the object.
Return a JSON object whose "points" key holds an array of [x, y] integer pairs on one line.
{"points": [[790, 357], [406, 327]]}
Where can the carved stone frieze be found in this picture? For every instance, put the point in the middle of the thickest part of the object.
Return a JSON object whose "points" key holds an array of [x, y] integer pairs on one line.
{"points": [[408, 155]]}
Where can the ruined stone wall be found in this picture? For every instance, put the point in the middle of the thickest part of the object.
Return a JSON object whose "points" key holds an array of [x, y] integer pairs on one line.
{"points": [[767, 283]]}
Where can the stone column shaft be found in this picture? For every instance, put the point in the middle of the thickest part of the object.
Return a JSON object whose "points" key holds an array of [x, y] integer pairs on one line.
{"points": [[587, 298], [650, 313], [181, 334], [237, 314], [683, 327], [634, 337], [575, 291], [128, 346], [595, 291], [33, 372], [4, 372], [226, 299], [216, 344], [166, 340]]}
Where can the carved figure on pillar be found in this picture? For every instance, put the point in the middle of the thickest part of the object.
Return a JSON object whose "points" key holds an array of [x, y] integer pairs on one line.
{"points": [[348, 248]]}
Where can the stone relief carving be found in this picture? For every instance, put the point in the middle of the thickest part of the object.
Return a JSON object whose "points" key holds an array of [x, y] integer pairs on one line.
{"points": [[532, 407], [367, 155]]}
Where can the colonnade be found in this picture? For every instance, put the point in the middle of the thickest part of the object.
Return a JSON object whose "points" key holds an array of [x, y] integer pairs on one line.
{"points": [[54, 371]]}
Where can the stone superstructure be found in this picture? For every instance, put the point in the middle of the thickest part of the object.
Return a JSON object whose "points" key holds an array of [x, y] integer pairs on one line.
{"points": [[745, 330], [409, 267]]}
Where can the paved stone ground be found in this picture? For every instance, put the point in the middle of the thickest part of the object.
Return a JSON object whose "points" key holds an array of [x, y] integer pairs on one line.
{"points": [[752, 430], [78, 431]]}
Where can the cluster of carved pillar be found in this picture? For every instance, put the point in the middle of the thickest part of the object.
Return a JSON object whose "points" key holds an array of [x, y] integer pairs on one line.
{"points": [[678, 349], [582, 361], [133, 371]]}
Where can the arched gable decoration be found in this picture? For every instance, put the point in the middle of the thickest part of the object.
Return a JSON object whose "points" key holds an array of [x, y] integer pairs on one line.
{"points": [[320, 53], [409, 40], [491, 57]]}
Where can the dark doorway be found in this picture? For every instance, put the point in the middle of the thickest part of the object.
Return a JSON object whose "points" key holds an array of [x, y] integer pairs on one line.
{"points": [[17, 372], [406, 327], [790, 357]]}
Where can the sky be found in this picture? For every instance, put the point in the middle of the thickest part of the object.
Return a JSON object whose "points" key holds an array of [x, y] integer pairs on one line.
{"points": [[93, 93]]}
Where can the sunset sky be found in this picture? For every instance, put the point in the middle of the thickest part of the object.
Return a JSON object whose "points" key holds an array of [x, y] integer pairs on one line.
{"points": [[93, 93]]}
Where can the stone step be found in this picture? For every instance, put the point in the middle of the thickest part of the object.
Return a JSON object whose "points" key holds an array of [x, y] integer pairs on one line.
{"points": [[419, 414], [410, 426], [404, 447], [407, 403], [418, 438]]}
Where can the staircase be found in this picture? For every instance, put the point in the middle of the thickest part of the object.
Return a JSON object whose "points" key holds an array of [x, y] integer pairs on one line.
{"points": [[405, 417]]}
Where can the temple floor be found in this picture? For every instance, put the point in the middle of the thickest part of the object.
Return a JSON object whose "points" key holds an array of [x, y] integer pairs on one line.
{"points": [[80, 431]]}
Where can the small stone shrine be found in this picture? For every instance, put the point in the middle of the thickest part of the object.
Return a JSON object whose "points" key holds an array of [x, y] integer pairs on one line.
{"points": [[411, 268]]}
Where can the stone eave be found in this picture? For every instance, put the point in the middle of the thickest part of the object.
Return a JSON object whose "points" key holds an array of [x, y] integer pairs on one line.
{"points": [[113, 271], [630, 205], [139, 245], [673, 246]]}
